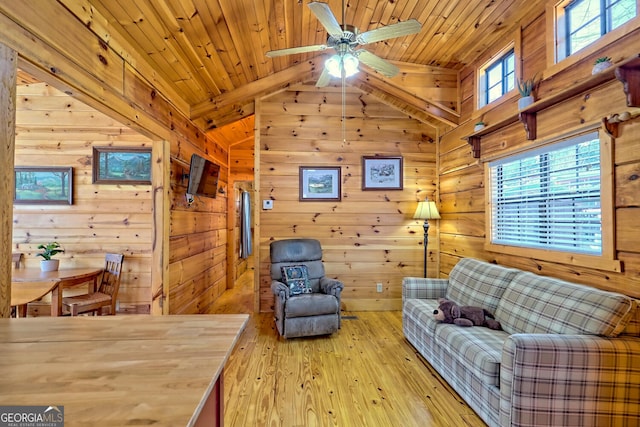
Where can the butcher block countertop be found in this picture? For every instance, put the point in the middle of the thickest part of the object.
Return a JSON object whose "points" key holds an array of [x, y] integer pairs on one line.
{"points": [[120, 370]]}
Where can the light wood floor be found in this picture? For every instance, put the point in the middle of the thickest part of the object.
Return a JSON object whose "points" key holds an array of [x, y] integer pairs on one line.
{"points": [[367, 374]]}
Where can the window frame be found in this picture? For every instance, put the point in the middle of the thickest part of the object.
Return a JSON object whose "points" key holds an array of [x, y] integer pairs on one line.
{"points": [[482, 91], [607, 259], [563, 23], [555, 19]]}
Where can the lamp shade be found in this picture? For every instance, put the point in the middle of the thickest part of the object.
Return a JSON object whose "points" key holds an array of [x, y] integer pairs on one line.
{"points": [[333, 65], [350, 64], [426, 210], [336, 63]]}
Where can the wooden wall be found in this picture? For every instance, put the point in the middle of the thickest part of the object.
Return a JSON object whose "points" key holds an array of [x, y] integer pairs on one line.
{"points": [[368, 236], [53, 129], [197, 242], [462, 181]]}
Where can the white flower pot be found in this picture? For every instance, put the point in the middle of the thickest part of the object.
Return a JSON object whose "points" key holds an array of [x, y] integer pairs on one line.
{"points": [[525, 101], [600, 67], [478, 126], [49, 265]]}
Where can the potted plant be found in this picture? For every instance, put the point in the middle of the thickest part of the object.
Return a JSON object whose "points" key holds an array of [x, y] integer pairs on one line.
{"points": [[526, 88], [48, 251], [479, 126], [601, 64]]}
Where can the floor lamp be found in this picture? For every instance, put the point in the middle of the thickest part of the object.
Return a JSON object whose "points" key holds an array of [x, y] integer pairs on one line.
{"points": [[426, 210]]}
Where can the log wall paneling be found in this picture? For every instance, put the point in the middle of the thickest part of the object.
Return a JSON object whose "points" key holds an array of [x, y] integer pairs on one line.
{"points": [[368, 237], [53, 129], [8, 77], [462, 228], [197, 241]]}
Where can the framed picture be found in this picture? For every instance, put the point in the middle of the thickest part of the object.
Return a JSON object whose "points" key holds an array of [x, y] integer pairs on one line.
{"points": [[43, 185], [320, 183], [126, 165], [381, 173]]}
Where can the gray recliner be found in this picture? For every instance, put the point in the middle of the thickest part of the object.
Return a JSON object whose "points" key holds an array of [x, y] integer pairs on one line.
{"points": [[304, 314]]}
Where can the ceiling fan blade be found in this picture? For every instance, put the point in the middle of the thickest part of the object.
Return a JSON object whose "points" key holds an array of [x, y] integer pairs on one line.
{"points": [[399, 29], [292, 50], [324, 78], [327, 18], [377, 63]]}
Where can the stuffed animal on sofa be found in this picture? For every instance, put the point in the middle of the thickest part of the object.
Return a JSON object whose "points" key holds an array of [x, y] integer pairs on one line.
{"points": [[466, 315]]}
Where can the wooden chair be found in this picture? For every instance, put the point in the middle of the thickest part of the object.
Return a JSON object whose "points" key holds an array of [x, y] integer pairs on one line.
{"points": [[16, 259], [105, 296]]}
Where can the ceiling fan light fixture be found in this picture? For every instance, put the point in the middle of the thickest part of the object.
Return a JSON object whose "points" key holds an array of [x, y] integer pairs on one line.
{"points": [[333, 65], [350, 64], [347, 61]]}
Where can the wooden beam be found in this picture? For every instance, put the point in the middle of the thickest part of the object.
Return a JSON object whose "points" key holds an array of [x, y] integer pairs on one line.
{"points": [[442, 114], [8, 76], [296, 74], [161, 232], [227, 115]]}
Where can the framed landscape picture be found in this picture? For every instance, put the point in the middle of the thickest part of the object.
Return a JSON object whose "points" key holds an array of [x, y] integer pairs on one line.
{"points": [[381, 173], [126, 165], [43, 185], [320, 183]]}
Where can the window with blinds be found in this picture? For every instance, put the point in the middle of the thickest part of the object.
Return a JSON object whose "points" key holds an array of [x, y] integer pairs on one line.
{"points": [[549, 198]]}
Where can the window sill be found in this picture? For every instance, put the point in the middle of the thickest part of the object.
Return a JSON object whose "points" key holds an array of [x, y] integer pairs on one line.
{"points": [[587, 261]]}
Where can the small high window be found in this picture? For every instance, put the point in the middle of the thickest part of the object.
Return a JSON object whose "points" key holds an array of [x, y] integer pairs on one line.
{"points": [[497, 78], [582, 22]]}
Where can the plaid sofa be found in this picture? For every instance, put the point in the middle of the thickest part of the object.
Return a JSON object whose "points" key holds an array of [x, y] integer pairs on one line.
{"points": [[568, 354]]}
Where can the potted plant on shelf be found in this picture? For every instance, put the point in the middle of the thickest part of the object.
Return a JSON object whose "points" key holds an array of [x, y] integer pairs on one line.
{"points": [[48, 251], [526, 88], [601, 64], [479, 126]]}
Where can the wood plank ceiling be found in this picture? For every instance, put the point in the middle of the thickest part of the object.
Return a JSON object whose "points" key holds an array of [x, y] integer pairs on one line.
{"points": [[212, 52]]}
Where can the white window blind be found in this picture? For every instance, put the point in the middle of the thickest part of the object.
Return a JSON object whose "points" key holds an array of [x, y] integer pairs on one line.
{"points": [[549, 198]]}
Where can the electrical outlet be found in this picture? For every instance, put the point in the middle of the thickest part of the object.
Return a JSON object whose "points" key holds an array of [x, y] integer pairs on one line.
{"points": [[379, 287]]}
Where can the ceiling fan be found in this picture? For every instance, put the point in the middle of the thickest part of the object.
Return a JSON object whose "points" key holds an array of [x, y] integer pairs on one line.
{"points": [[345, 41]]}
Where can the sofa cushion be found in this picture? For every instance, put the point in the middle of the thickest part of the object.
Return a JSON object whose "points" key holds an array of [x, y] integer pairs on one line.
{"points": [[311, 305], [538, 304], [633, 328], [475, 348], [478, 283]]}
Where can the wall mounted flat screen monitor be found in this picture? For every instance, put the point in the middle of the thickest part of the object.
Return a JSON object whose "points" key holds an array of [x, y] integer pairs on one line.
{"points": [[203, 177]]}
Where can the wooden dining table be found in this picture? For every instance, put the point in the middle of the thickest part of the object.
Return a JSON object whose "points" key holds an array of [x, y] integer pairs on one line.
{"points": [[120, 370], [31, 284]]}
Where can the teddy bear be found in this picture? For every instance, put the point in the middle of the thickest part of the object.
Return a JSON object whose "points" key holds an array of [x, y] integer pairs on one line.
{"points": [[466, 315]]}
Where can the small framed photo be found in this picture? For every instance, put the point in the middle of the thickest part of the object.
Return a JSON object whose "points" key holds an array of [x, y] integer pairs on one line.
{"points": [[381, 173], [43, 185], [320, 183], [126, 165]]}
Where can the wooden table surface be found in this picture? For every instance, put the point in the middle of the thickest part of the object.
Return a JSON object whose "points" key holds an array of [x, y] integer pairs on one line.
{"points": [[117, 370]]}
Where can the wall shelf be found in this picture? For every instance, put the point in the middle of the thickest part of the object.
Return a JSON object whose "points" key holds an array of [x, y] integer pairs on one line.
{"points": [[627, 72]]}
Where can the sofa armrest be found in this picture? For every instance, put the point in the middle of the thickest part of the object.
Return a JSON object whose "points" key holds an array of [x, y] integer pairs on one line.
{"points": [[331, 286], [551, 378], [280, 290], [423, 288]]}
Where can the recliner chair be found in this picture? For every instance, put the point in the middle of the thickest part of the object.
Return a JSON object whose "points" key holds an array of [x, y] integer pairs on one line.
{"points": [[304, 306]]}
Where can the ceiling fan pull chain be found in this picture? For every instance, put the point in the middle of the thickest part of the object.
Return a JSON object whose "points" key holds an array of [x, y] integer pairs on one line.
{"points": [[344, 106]]}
